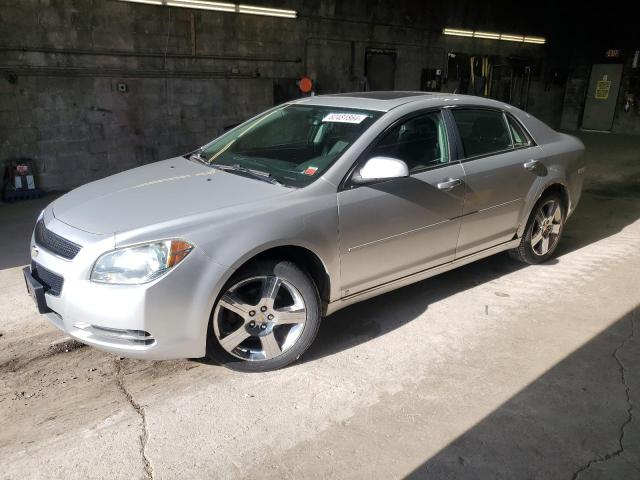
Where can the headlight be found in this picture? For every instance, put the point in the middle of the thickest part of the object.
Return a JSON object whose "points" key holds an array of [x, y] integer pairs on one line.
{"points": [[140, 263]]}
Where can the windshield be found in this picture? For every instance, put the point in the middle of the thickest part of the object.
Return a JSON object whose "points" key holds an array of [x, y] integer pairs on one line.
{"points": [[292, 144]]}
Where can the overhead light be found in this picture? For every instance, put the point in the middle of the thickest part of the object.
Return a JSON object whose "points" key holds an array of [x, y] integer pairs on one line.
{"points": [[512, 38], [221, 7], [273, 12], [149, 2], [494, 36], [201, 5], [539, 40], [458, 33]]}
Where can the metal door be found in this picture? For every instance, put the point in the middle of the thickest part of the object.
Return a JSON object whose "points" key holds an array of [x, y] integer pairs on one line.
{"points": [[392, 229], [496, 189], [602, 96]]}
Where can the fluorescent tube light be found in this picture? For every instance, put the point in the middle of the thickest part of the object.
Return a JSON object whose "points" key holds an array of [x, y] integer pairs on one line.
{"points": [[217, 6], [511, 38], [274, 12], [149, 2], [221, 7], [459, 33], [494, 36], [538, 40]]}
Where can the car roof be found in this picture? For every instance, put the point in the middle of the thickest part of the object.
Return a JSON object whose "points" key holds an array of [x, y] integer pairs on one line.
{"points": [[384, 101]]}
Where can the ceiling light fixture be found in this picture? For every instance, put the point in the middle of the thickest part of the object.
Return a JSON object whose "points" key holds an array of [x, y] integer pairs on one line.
{"points": [[217, 6], [539, 40], [273, 12], [458, 33], [149, 2], [221, 7], [512, 38], [494, 36], [491, 36]]}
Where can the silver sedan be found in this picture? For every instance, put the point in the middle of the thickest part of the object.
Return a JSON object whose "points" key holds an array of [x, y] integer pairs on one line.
{"points": [[237, 250]]}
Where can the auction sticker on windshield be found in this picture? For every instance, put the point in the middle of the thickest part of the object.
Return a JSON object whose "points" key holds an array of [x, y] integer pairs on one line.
{"points": [[345, 117]]}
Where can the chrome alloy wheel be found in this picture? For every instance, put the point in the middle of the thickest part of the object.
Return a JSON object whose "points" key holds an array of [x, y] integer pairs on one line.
{"points": [[259, 318], [546, 228]]}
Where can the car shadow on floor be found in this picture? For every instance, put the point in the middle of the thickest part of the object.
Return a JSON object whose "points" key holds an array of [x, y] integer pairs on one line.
{"points": [[367, 320], [574, 421], [599, 215]]}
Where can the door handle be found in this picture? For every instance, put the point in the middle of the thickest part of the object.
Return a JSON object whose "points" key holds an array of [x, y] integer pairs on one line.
{"points": [[449, 184], [531, 165]]}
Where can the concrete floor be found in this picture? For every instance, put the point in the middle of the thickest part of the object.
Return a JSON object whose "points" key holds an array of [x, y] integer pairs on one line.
{"points": [[494, 370]]}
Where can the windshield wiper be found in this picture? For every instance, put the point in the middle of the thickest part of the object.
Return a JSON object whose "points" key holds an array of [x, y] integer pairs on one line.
{"points": [[198, 158], [258, 174]]}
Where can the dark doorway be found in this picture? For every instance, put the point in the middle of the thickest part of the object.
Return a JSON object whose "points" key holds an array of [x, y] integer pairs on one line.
{"points": [[380, 69], [285, 89]]}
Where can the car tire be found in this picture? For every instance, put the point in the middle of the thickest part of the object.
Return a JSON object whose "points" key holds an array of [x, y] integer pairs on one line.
{"points": [[266, 316], [543, 231]]}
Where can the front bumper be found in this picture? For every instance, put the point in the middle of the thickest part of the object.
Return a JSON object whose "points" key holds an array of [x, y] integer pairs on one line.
{"points": [[163, 319], [36, 290]]}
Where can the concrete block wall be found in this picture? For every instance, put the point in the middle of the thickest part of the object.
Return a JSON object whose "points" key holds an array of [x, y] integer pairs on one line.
{"points": [[187, 73], [65, 110]]}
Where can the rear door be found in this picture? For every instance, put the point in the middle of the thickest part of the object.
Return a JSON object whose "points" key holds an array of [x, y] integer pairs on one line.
{"points": [[500, 170], [398, 227]]}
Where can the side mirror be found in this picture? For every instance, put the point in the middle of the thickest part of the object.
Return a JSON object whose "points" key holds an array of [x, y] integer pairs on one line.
{"points": [[381, 168]]}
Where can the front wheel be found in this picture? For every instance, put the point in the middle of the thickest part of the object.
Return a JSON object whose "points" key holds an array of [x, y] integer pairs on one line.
{"points": [[543, 230], [266, 317]]}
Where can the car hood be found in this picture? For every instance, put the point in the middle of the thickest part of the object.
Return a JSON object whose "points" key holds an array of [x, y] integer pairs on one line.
{"points": [[158, 192]]}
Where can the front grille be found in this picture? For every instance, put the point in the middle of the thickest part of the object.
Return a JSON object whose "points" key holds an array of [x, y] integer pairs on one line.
{"points": [[55, 243], [51, 282]]}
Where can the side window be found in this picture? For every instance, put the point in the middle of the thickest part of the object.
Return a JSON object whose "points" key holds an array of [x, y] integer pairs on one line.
{"points": [[520, 136], [421, 142], [482, 131]]}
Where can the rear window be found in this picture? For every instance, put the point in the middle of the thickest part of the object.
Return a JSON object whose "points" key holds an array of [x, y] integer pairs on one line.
{"points": [[482, 131]]}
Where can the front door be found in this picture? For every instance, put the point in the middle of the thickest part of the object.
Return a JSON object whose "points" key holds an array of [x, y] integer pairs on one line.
{"points": [[398, 227]]}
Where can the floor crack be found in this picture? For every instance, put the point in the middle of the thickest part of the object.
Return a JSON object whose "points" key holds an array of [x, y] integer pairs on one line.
{"points": [[621, 369], [140, 410]]}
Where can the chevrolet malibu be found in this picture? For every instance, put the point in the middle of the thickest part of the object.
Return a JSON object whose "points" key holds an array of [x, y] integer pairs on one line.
{"points": [[236, 251]]}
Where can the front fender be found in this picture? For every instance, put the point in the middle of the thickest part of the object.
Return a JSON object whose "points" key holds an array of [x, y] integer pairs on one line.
{"points": [[310, 223]]}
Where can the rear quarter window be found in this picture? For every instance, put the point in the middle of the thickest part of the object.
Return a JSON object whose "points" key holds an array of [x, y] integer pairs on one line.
{"points": [[520, 136]]}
